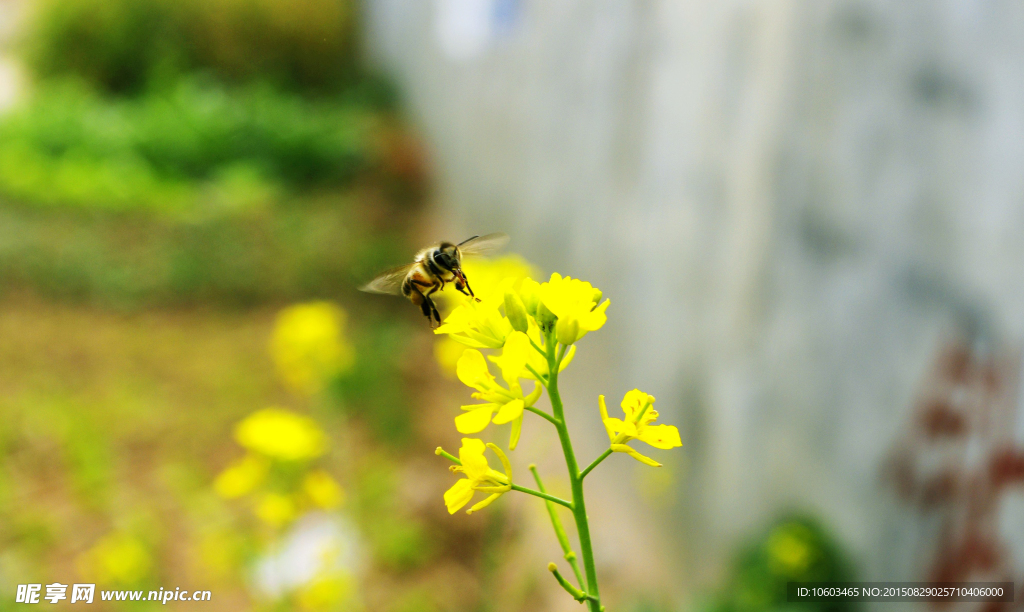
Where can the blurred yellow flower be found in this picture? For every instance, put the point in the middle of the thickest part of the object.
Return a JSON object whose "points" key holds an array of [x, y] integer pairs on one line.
{"points": [[479, 477], [447, 353], [508, 403], [309, 346], [322, 489], [326, 592], [276, 509], [280, 434], [116, 559], [637, 407], [487, 275], [241, 477], [789, 549], [575, 303]]}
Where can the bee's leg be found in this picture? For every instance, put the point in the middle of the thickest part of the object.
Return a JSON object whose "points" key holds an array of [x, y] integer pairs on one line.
{"points": [[417, 298], [423, 292], [473, 295], [433, 310]]}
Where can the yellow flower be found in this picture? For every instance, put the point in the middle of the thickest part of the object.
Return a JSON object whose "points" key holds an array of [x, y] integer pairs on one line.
{"points": [[322, 489], [479, 477], [241, 476], [280, 434], [575, 303], [508, 403], [309, 346], [637, 425], [479, 324], [116, 558], [325, 592], [276, 509]]}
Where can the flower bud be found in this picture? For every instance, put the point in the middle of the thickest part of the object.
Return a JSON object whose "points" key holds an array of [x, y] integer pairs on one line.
{"points": [[530, 293], [516, 311], [567, 330], [545, 318], [597, 296]]}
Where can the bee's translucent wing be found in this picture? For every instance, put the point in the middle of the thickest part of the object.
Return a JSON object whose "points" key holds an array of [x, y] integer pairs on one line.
{"points": [[389, 281], [479, 245]]}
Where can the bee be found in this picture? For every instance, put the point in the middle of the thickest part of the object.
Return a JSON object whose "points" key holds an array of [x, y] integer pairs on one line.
{"points": [[431, 270]]}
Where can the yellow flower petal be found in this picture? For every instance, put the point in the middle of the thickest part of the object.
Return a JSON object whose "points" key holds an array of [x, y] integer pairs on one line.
{"points": [[508, 412], [472, 370], [622, 448], [514, 356], [484, 503], [660, 436], [475, 420], [634, 401], [474, 464], [458, 495], [604, 417], [517, 429]]}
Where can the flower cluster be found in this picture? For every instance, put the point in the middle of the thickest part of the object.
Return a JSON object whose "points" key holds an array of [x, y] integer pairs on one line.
{"points": [[275, 472], [531, 329], [519, 316]]}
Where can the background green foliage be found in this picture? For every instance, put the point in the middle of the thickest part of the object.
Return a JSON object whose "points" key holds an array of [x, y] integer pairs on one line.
{"points": [[796, 548], [195, 147], [125, 46]]}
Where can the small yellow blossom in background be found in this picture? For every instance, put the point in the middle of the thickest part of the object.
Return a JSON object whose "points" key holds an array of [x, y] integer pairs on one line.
{"points": [[322, 489], [309, 345], [326, 592], [241, 477], [276, 509], [575, 303], [508, 403], [118, 559], [790, 550], [280, 434], [637, 425], [479, 477]]}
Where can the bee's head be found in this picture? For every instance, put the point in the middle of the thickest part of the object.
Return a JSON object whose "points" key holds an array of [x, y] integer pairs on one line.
{"points": [[447, 257]]}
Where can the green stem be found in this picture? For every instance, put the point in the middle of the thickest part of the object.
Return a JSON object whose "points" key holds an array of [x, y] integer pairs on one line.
{"points": [[556, 522], [596, 462], [550, 498], [541, 413], [576, 594], [579, 509], [440, 452], [540, 378]]}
